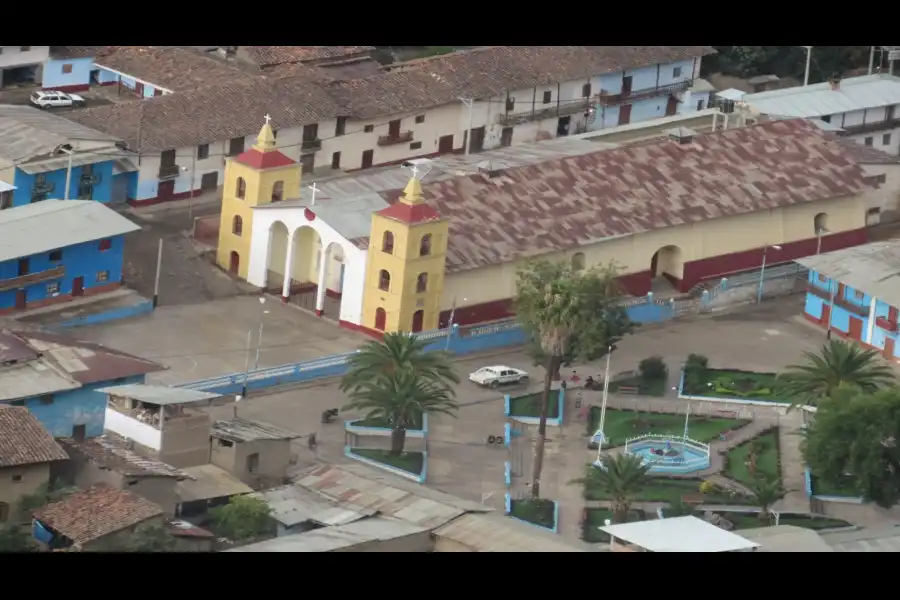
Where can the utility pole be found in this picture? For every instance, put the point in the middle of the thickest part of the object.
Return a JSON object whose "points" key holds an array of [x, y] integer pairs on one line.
{"points": [[68, 173], [871, 59], [808, 59], [762, 272], [158, 274], [470, 103]]}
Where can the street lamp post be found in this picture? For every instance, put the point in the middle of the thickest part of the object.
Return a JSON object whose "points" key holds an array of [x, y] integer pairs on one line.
{"points": [[609, 351], [819, 232], [262, 302], [762, 271], [808, 59]]}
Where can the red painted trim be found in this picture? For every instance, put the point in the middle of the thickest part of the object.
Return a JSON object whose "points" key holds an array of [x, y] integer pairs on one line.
{"points": [[158, 200], [285, 299], [60, 299], [378, 335], [69, 88], [108, 83], [319, 313]]}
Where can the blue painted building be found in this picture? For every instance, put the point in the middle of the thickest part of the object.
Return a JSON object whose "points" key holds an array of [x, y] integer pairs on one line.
{"points": [[39, 151], [56, 250], [647, 93], [855, 294], [57, 379], [71, 68]]}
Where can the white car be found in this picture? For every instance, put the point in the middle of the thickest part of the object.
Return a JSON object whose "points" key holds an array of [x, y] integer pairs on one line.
{"points": [[52, 99], [496, 376]]}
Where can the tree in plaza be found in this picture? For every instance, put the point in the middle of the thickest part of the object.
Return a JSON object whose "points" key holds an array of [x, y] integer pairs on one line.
{"points": [[397, 381], [571, 315], [837, 367], [14, 539], [766, 492], [854, 438], [621, 477], [243, 518]]}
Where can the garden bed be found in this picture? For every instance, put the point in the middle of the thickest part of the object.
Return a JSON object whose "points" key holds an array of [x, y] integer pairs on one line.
{"points": [[843, 488], [622, 424], [768, 459], [672, 490], [529, 406], [594, 518], [382, 423], [540, 511], [752, 521], [646, 387], [736, 384], [411, 462]]}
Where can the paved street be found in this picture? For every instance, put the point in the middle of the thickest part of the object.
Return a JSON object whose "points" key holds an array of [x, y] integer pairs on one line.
{"points": [[462, 463], [197, 341]]}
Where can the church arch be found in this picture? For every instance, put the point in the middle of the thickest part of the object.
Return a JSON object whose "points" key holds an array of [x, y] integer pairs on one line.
{"points": [[820, 223], [237, 225], [425, 245], [387, 242], [278, 191], [384, 280], [667, 262]]}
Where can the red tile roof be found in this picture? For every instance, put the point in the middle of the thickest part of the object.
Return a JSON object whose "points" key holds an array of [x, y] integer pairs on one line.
{"points": [[96, 512], [564, 203], [410, 213], [264, 56], [264, 160], [176, 69], [24, 441]]}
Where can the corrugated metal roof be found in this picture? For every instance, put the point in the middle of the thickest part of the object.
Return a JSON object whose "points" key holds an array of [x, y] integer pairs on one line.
{"points": [[341, 537], [158, 395], [62, 162], [786, 538], [362, 489], [679, 534], [496, 533], [731, 94], [243, 430], [292, 505], [818, 100], [26, 132], [880, 539], [51, 224], [31, 379], [873, 268], [208, 482], [6, 187], [111, 452]]}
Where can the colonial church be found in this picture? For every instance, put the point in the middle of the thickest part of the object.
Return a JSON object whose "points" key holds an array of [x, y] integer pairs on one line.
{"points": [[671, 213]]}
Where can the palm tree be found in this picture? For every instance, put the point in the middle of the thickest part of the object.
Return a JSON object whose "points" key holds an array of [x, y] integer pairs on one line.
{"points": [[839, 366], [766, 492], [397, 381], [621, 477]]}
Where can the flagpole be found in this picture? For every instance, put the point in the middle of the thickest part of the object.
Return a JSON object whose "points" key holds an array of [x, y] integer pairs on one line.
{"points": [[603, 405]]}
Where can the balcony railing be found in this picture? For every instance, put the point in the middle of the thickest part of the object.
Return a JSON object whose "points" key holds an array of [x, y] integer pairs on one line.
{"points": [[169, 172], [569, 108], [818, 291], [871, 127], [32, 278], [311, 145], [886, 324], [608, 99], [92, 179], [400, 138], [856, 309]]}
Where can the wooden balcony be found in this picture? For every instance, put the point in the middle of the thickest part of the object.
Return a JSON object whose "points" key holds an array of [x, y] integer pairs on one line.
{"points": [[856, 309], [25, 280], [569, 108], [390, 140], [871, 127], [818, 291], [313, 145], [167, 172], [886, 324], [607, 99]]}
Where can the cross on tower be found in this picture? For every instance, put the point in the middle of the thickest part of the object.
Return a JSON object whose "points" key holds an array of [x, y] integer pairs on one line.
{"points": [[415, 171], [267, 118], [314, 190]]}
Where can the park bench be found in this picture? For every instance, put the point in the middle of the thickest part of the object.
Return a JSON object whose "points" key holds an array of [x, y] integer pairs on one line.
{"points": [[731, 414], [628, 389]]}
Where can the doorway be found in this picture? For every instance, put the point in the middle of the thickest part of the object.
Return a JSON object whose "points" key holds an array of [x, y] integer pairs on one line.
{"points": [[477, 144], [625, 114], [78, 287], [336, 160], [506, 136], [417, 321], [380, 319], [368, 159], [445, 143], [856, 326], [21, 299], [889, 347], [166, 190], [234, 262], [671, 106], [826, 315], [308, 163], [209, 181], [627, 82], [562, 127]]}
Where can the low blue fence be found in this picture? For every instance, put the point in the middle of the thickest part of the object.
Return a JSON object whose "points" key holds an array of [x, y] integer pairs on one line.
{"points": [[113, 314], [555, 422], [352, 427]]}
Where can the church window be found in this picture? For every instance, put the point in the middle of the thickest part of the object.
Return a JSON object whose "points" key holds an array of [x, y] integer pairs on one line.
{"points": [[422, 283], [387, 242], [425, 245], [278, 191], [384, 281], [237, 225], [578, 261], [241, 191]]}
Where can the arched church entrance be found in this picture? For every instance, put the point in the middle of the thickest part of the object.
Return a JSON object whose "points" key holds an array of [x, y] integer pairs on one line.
{"points": [[666, 270], [291, 266], [331, 258]]}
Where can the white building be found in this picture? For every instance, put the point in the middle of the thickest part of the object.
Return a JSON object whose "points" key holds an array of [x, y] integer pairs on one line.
{"points": [[866, 109], [22, 65]]}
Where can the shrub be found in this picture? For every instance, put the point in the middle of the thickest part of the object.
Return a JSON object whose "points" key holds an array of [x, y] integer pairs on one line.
{"points": [[694, 367], [653, 369]]}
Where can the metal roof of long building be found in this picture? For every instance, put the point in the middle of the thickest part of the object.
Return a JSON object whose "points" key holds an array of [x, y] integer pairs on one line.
{"points": [[497, 533], [51, 224], [243, 430], [872, 268], [158, 395], [26, 132], [342, 537], [819, 100]]}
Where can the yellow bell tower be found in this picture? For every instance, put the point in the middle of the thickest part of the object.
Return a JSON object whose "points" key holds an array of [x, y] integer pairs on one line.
{"points": [[405, 271], [258, 176]]}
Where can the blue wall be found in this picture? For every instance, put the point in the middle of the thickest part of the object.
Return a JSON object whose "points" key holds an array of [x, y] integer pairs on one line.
{"points": [[642, 79], [81, 260], [107, 77], [84, 406], [54, 78], [102, 189]]}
